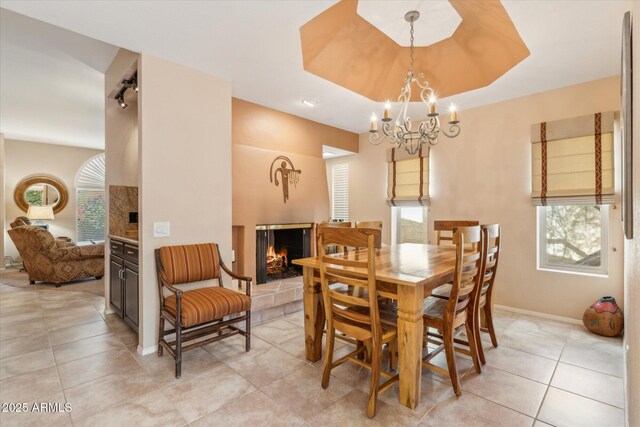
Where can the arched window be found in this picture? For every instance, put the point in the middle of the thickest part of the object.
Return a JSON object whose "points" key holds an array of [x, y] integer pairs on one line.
{"points": [[90, 200]]}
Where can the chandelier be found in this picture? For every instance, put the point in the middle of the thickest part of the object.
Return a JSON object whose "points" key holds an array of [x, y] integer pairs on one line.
{"points": [[401, 133]]}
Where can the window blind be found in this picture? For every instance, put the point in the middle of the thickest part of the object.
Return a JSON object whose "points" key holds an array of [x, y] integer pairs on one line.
{"points": [[408, 178], [89, 214], [572, 161], [340, 192], [90, 200]]}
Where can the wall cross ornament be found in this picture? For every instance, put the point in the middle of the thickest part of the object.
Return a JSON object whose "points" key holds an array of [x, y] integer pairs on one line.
{"points": [[288, 173]]}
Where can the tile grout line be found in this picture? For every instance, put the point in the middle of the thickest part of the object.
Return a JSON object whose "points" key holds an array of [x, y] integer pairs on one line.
{"points": [[549, 384], [55, 363]]}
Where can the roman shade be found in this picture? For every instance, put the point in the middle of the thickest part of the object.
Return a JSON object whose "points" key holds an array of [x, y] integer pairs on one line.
{"points": [[572, 161], [408, 178]]}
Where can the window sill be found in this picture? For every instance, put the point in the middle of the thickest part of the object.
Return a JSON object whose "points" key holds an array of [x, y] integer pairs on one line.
{"points": [[577, 273]]}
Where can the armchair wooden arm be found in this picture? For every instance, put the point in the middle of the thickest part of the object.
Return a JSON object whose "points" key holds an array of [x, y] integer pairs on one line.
{"points": [[233, 275]]}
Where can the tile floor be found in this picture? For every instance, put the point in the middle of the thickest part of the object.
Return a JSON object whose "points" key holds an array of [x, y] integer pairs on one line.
{"points": [[56, 345]]}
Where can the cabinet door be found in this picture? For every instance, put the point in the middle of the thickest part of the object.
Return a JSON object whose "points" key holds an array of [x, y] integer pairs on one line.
{"points": [[131, 294], [115, 284]]}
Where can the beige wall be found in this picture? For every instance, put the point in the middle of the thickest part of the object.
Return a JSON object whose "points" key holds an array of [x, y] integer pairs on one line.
{"points": [[2, 202], [263, 127], [632, 253], [120, 136], [184, 166], [121, 126], [260, 134], [25, 158], [484, 174]]}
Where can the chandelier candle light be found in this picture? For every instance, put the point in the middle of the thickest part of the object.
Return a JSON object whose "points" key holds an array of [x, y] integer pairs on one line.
{"points": [[402, 134]]}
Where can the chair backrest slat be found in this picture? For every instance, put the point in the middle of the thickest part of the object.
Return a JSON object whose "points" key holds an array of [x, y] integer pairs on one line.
{"points": [[447, 227], [369, 224]]}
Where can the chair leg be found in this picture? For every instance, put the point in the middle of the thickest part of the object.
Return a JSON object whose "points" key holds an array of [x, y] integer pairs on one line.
{"points": [[368, 351], [489, 319], [393, 355], [178, 349], [160, 335], [473, 347], [360, 355], [447, 335], [248, 332], [328, 357], [478, 338], [376, 353]]}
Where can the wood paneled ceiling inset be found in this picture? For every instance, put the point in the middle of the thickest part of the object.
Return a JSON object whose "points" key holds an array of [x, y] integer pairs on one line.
{"points": [[344, 48]]}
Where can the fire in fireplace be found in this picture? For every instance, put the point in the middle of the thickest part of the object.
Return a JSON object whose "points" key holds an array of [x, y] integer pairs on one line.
{"points": [[276, 262], [277, 245]]}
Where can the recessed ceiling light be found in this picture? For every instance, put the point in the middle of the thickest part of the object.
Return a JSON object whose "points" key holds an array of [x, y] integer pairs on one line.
{"points": [[310, 102]]}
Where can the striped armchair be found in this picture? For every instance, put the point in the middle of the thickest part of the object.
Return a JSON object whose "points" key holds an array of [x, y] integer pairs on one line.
{"points": [[203, 315]]}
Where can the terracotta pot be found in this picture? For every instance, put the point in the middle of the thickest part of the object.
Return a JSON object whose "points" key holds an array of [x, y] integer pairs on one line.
{"points": [[604, 317]]}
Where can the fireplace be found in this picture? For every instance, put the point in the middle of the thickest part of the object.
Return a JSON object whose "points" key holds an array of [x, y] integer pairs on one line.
{"points": [[277, 246]]}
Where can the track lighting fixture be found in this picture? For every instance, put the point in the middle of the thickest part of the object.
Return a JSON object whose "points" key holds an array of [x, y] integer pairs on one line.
{"points": [[130, 83], [120, 99]]}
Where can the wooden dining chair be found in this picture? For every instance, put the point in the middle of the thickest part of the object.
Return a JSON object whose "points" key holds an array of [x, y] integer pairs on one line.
{"points": [[444, 233], [449, 317], [345, 224], [491, 234], [369, 224], [444, 229], [359, 316]]}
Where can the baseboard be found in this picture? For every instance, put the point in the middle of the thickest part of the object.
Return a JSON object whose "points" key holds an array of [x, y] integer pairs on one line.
{"points": [[538, 314], [147, 350]]}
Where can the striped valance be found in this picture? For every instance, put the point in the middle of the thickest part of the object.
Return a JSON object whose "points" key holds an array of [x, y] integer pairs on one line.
{"points": [[408, 177], [572, 161]]}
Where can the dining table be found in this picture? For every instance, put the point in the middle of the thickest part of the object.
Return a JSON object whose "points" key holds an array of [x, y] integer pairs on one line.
{"points": [[407, 272]]}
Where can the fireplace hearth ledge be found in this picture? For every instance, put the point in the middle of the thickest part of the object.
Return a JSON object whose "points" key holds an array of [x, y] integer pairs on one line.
{"points": [[275, 299]]}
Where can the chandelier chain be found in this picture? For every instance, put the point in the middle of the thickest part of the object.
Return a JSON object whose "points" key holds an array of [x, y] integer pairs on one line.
{"points": [[411, 48]]}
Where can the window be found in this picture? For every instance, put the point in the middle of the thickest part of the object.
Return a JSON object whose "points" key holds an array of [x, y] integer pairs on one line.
{"points": [[410, 224], [90, 200], [573, 238], [340, 192]]}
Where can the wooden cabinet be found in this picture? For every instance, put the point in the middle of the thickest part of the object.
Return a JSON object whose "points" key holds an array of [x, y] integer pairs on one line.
{"points": [[131, 293], [115, 283], [123, 281]]}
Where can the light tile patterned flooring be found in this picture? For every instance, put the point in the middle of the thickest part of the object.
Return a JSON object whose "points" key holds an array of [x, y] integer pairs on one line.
{"points": [[57, 346]]}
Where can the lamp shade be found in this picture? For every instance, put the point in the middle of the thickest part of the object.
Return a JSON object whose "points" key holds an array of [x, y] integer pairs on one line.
{"points": [[40, 212]]}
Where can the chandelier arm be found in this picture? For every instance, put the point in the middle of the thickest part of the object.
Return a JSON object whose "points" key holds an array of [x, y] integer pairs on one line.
{"points": [[374, 138], [454, 130]]}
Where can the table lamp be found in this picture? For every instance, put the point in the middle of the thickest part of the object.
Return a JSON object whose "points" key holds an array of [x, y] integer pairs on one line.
{"points": [[38, 213]]}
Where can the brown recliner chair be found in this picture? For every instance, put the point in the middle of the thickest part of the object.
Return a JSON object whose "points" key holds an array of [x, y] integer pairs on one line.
{"points": [[45, 261], [62, 242]]}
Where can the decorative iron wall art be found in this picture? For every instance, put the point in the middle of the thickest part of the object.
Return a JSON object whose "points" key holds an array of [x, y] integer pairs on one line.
{"points": [[288, 174]]}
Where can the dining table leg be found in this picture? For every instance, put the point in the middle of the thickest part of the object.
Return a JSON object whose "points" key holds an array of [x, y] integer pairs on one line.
{"points": [[313, 315], [410, 336]]}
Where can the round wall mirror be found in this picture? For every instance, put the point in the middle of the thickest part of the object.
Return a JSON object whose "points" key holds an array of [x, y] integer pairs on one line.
{"points": [[41, 191]]}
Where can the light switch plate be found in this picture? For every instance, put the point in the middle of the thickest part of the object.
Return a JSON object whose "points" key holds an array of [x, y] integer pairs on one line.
{"points": [[161, 229]]}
